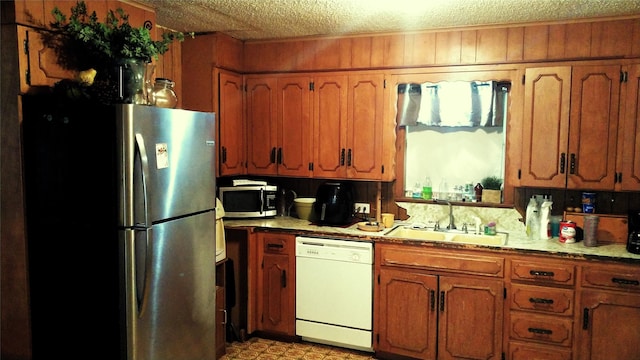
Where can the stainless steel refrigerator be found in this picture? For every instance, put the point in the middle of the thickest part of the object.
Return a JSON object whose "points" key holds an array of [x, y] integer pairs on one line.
{"points": [[121, 230]]}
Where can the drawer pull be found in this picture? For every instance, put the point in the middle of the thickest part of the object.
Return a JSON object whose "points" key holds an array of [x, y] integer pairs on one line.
{"points": [[540, 331], [275, 246], [540, 301], [542, 273], [625, 281]]}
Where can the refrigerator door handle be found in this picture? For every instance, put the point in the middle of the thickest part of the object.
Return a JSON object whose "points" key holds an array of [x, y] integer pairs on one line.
{"points": [[141, 266], [144, 161]]}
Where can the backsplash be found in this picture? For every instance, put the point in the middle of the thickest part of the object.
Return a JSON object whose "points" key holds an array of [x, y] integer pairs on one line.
{"points": [[507, 219]]}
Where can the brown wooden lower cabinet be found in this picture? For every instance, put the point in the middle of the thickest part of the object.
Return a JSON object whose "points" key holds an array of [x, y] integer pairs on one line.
{"points": [[610, 326], [445, 304], [520, 351], [221, 310], [436, 315], [221, 322], [276, 284]]}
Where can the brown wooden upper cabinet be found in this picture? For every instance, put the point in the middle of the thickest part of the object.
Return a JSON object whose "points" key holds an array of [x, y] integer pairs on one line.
{"points": [[348, 127], [279, 126], [231, 125], [328, 126], [628, 160], [39, 63], [570, 129]]}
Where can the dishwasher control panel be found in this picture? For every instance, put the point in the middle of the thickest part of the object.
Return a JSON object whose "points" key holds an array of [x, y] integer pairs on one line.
{"points": [[334, 249]]}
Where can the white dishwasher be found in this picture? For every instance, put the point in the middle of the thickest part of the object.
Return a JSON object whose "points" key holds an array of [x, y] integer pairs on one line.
{"points": [[334, 292]]}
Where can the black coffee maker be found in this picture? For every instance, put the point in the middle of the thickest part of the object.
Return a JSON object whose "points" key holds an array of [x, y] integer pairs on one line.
{"points": [[334, 203], [633, 241]]}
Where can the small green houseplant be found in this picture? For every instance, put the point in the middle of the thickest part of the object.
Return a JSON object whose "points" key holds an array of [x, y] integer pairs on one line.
{"points": [[82, 42], [491, 192], [94, 48]]}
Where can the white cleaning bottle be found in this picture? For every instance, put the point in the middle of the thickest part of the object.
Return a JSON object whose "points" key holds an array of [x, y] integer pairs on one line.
{"points": [[545, 217], [530, 217]]}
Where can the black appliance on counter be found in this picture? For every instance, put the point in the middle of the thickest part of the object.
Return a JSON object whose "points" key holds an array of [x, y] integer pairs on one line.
{"points": [[633, 241], [334, 203]]}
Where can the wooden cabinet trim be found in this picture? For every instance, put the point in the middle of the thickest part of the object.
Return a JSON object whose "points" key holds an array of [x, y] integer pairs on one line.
{"points": [[543, 272], [541, 329], [519, 351], [541, 299], [611, 277], [450, 262]]}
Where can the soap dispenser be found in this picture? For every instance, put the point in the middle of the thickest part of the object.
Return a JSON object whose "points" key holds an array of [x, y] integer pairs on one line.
{"points": [[545, 217], [530, 217]]}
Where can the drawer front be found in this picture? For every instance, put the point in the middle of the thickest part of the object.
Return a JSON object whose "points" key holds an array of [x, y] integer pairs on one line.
{"points": [[543, 329], [277, 244], [542, 299], [519, 351], [430, 260], [618, 278], [541, 272]]}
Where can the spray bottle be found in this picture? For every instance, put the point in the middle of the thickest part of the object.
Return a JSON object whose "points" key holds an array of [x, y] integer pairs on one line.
{"points": [[545, 217], [530, 217]]}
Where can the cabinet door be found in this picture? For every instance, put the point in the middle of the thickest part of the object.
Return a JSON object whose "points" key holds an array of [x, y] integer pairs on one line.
{"points": [[294, 126], [277, 314], [329, 122], [595, 94], [38, 63], [628, 140], [232, 155], [407, 314], [276, 287], [610, 326], [261, 125], [364, 132], [546, 126], [471, 315], [221, 322]]}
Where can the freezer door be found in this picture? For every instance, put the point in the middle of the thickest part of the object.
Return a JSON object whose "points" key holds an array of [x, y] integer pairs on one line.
{"points": [[167, 163], [170, 289]]}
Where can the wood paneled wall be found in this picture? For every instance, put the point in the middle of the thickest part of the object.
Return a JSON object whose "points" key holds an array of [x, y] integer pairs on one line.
{"points": [[534, 43]]}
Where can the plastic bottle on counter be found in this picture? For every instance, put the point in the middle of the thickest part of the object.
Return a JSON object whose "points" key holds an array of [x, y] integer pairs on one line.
{"points": [[417, 190], [534, 233], [529, 217], [443, 192], [427, 190], [478, 192], [545, 217]]}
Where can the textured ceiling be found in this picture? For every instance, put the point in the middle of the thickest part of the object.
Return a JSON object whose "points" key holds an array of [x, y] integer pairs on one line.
{"points": [[277, 19]]}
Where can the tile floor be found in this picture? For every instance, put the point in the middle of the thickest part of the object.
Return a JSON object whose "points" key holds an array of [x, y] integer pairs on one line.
{"points": [[264, 349]]}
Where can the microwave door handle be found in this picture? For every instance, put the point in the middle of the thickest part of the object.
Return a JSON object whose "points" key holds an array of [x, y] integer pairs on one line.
{"points": [[262, 196]]}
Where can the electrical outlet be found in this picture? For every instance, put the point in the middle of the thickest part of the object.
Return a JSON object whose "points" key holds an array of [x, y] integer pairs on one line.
{"points": [[362, 208]]}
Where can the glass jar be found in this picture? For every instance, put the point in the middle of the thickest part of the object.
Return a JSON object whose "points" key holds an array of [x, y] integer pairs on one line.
{"points": [[163, 94]]}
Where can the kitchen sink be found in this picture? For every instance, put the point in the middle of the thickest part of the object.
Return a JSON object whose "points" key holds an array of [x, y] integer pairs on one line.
{"points": [[497, 239], [418, 234], [448, 236]]}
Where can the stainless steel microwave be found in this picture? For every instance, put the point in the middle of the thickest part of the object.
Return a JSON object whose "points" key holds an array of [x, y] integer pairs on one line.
{"points": [[248, 201]]}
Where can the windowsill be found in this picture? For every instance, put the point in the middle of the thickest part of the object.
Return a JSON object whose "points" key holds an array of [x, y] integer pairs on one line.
{"points": [[456, 203]]}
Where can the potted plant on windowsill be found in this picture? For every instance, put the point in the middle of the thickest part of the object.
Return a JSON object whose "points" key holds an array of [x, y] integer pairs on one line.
{"points": [[491, 189], [105, 54]]}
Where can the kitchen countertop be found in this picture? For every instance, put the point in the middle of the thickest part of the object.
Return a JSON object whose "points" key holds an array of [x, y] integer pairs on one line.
{"points": [[516, 243]]}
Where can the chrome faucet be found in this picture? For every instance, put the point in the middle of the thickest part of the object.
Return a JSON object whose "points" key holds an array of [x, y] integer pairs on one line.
{"points": [[452, 225]]}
